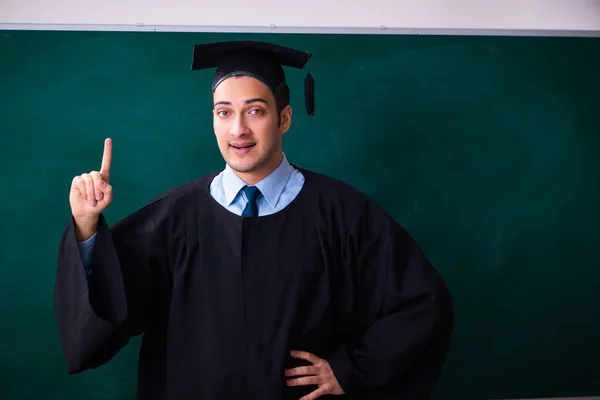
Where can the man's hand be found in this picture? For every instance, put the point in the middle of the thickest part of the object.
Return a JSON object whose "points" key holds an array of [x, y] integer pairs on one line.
{"points": [[90, 194], [319, 374]]}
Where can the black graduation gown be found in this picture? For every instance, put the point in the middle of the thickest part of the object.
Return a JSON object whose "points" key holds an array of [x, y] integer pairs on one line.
{"points": [[221, 300]]}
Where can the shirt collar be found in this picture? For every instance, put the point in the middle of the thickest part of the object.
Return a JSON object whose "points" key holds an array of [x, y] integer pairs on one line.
{"points": [[271, 187]]}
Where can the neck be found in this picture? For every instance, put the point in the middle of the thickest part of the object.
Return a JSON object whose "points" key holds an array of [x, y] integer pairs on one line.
{"points": [[252, 178]]}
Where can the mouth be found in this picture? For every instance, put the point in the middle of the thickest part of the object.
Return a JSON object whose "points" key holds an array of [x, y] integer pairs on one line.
{"points": [[242, 148]]}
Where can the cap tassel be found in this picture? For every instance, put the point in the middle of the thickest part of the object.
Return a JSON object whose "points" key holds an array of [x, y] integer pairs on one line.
{"points": [[309, 94]]}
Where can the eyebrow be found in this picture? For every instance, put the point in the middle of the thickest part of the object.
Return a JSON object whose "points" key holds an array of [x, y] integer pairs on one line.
{"points": [[249, 101]]}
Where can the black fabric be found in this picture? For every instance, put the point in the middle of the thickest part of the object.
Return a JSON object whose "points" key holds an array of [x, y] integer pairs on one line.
{"points": [[222, 300], [309, 94]]}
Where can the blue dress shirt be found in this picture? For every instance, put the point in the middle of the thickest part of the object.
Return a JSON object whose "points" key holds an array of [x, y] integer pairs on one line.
{"points": [[278, 190]]}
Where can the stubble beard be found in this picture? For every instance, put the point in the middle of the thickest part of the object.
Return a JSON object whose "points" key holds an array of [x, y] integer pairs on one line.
{"points": [[247, 166]]}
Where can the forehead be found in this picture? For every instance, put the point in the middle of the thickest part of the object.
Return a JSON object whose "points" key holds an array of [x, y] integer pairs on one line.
{"points": [[242, 86]]}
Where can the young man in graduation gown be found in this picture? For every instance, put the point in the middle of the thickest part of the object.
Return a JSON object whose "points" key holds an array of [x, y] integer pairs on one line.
{"points": [[261, 281]]}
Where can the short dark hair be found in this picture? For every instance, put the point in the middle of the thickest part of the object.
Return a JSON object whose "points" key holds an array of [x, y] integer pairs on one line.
{"points": [[282, 99]]}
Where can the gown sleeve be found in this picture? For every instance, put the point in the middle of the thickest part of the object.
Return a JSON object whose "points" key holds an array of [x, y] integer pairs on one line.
{"points": [[405, 313], [97, 316]]}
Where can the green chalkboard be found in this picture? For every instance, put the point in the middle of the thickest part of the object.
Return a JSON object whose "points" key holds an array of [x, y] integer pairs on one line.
{"points": [[484, 148]]}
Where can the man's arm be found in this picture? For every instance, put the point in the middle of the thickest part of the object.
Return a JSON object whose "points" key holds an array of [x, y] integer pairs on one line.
{"points": [[407, 311], [98, 313]]}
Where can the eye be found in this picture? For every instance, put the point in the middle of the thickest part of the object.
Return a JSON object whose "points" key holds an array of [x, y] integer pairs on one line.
{"points": [[223, 113], [257, 111]]}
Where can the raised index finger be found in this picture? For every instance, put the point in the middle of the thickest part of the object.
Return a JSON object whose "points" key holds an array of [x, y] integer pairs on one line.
{"points": [[106, 160]]}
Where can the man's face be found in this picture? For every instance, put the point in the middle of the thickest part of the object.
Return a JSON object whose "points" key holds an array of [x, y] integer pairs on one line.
{"points": [[246, 125]]}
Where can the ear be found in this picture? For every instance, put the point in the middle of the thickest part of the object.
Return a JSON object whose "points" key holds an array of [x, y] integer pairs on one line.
{"points": [[286, 119]]}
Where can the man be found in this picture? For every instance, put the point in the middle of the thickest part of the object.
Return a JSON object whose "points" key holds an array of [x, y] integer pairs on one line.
{"points": [[262, 281]]}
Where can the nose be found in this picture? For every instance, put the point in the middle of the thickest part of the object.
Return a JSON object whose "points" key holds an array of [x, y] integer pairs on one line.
{"points": [[239, 127]]}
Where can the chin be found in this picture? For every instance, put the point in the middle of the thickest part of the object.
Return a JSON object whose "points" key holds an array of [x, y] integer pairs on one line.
{"points": [[243, 166]]}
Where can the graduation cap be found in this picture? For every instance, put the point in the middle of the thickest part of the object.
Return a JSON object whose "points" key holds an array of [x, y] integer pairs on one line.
{"points": [[260, 60]]}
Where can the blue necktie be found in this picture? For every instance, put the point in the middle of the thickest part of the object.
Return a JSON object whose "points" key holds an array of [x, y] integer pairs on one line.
{"points": [[252, 193]]}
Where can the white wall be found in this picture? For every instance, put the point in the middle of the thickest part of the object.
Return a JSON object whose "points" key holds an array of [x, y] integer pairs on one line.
{"points": [[528, 17]]}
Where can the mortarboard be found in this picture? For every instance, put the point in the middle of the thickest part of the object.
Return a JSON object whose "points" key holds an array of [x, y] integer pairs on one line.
{"points": [[260, 60]]}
